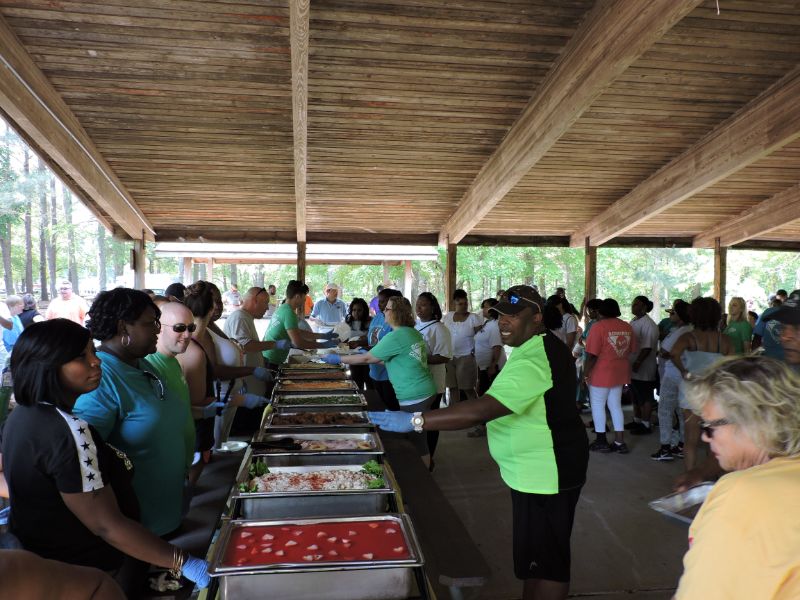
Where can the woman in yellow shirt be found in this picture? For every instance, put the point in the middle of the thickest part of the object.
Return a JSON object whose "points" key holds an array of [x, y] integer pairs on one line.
{"points": [[745, 541]]}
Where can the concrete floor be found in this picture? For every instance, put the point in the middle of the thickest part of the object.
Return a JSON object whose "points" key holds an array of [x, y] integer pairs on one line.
{"points": [[620, 547]]}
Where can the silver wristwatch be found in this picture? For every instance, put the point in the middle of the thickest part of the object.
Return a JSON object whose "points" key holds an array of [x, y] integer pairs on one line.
{"points": [[418, 421]]}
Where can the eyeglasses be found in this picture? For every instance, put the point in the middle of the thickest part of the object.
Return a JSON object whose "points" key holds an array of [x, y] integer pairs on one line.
{"points": [[181, 327], [708, 427], [515, 299], [158, 384]]}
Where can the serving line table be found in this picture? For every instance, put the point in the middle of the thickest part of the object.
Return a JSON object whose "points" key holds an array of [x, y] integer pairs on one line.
{"points": [[452, 560]]}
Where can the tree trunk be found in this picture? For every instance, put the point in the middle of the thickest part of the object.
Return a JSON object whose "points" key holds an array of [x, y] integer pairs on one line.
{"points": [[259, 282], [234, 275], [52, 242], [71, 266], [26, 169], [101, 257], [499, 285], [44, 219], [5, 249]]}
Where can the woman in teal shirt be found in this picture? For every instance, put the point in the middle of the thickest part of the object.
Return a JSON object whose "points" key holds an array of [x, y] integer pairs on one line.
{"points": [[130, 409], [405, 356]]}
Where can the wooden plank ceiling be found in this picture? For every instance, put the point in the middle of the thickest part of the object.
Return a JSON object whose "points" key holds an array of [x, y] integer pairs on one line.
{"points": [[190, 104]]}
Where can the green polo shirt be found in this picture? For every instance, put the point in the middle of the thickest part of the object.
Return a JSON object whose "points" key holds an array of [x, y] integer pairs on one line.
{"points": [[405, 355], [282, 321], [521, 443], [176, 389]]}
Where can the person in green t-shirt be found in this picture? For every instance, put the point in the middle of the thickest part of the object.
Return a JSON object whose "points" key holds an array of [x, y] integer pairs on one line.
{"points": [[404, 353], [535, 435], [739, 329], [284, 325], [173, 339]]}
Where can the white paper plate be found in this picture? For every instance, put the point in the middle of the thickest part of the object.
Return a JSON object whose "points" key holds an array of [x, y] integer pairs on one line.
{"points": [[234, 446]]}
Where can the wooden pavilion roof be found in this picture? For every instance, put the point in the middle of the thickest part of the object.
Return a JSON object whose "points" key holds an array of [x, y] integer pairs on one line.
{"points": [[416, 120]]}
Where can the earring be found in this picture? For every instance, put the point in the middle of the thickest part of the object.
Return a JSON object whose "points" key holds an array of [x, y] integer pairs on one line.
{"points": [[126, 340]]}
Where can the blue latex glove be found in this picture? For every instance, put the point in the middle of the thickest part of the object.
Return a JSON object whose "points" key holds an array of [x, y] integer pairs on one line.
{"points": [[196, 571], [331, 335], [283, 345], [392, 420], [254, 401], [327, 344], [332, 359], [262, 374], [211, 410]]}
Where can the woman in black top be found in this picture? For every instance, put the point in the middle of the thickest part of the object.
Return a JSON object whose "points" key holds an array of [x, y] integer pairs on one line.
{"points": [[71, 494], [358, 319]]}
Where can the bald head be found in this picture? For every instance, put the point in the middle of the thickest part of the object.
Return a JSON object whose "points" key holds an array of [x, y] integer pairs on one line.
{"points": [[255, 301], [171, 342]]}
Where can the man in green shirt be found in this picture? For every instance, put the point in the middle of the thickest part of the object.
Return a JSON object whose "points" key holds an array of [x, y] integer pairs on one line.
{"points": [[284, 325], [536, 437], [177, 325]]}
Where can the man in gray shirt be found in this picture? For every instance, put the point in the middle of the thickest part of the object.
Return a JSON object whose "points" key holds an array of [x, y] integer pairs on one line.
{"points": [[241, 326]]}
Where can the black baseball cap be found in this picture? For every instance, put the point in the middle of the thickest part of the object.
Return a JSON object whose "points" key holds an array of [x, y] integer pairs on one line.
{"points": [[517, 298], [789, 311]]}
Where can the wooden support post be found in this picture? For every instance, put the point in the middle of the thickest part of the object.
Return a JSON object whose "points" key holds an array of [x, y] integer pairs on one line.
{"points": [[187, 270], [590, 271], [139, 262], [409, 280], [450, 275], [720, 271], [385, 274], [301, 261], [210, 270]]}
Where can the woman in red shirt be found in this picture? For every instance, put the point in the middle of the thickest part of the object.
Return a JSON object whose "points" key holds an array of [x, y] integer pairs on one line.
{"points": [[607, 369]]}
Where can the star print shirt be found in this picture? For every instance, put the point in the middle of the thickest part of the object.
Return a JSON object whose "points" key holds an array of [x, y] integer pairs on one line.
{"points": [[47, 452]]}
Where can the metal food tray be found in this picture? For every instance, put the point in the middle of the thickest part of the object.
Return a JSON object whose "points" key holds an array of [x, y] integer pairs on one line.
{"points": [[292, 400], [269, 417], [359, 580], [348, 386], [315, 375], [308, 366], [263, 437], [311, 503], [683, 506]]}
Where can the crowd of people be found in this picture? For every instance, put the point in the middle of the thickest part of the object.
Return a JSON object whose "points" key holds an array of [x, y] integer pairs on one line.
{"points": [[122, 404]]}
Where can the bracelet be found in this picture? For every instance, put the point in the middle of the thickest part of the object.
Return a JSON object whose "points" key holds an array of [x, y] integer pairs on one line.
{"points": [[178, 558]]}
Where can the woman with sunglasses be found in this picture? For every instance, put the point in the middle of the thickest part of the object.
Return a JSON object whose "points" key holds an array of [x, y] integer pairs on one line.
{"points": [[199, 366], [745, 541], [71, 493], [130, 408]]}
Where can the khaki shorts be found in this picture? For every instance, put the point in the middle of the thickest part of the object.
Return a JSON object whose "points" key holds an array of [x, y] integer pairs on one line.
{"points": [[462, 372]]}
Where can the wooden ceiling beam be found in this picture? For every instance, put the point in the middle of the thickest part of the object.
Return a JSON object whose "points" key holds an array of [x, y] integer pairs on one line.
{"points": [[37, 111], [767, 123], [299, 25], [611, 37], [770, 214]]}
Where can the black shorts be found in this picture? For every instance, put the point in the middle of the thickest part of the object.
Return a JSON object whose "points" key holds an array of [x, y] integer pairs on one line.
{"points": [[542, 526], [642, 391]]}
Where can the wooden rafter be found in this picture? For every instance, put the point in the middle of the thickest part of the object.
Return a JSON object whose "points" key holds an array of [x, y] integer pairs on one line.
{"points": [[767, 123], [770, 214], [612, 36], [42, 117], [299, 25]]}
